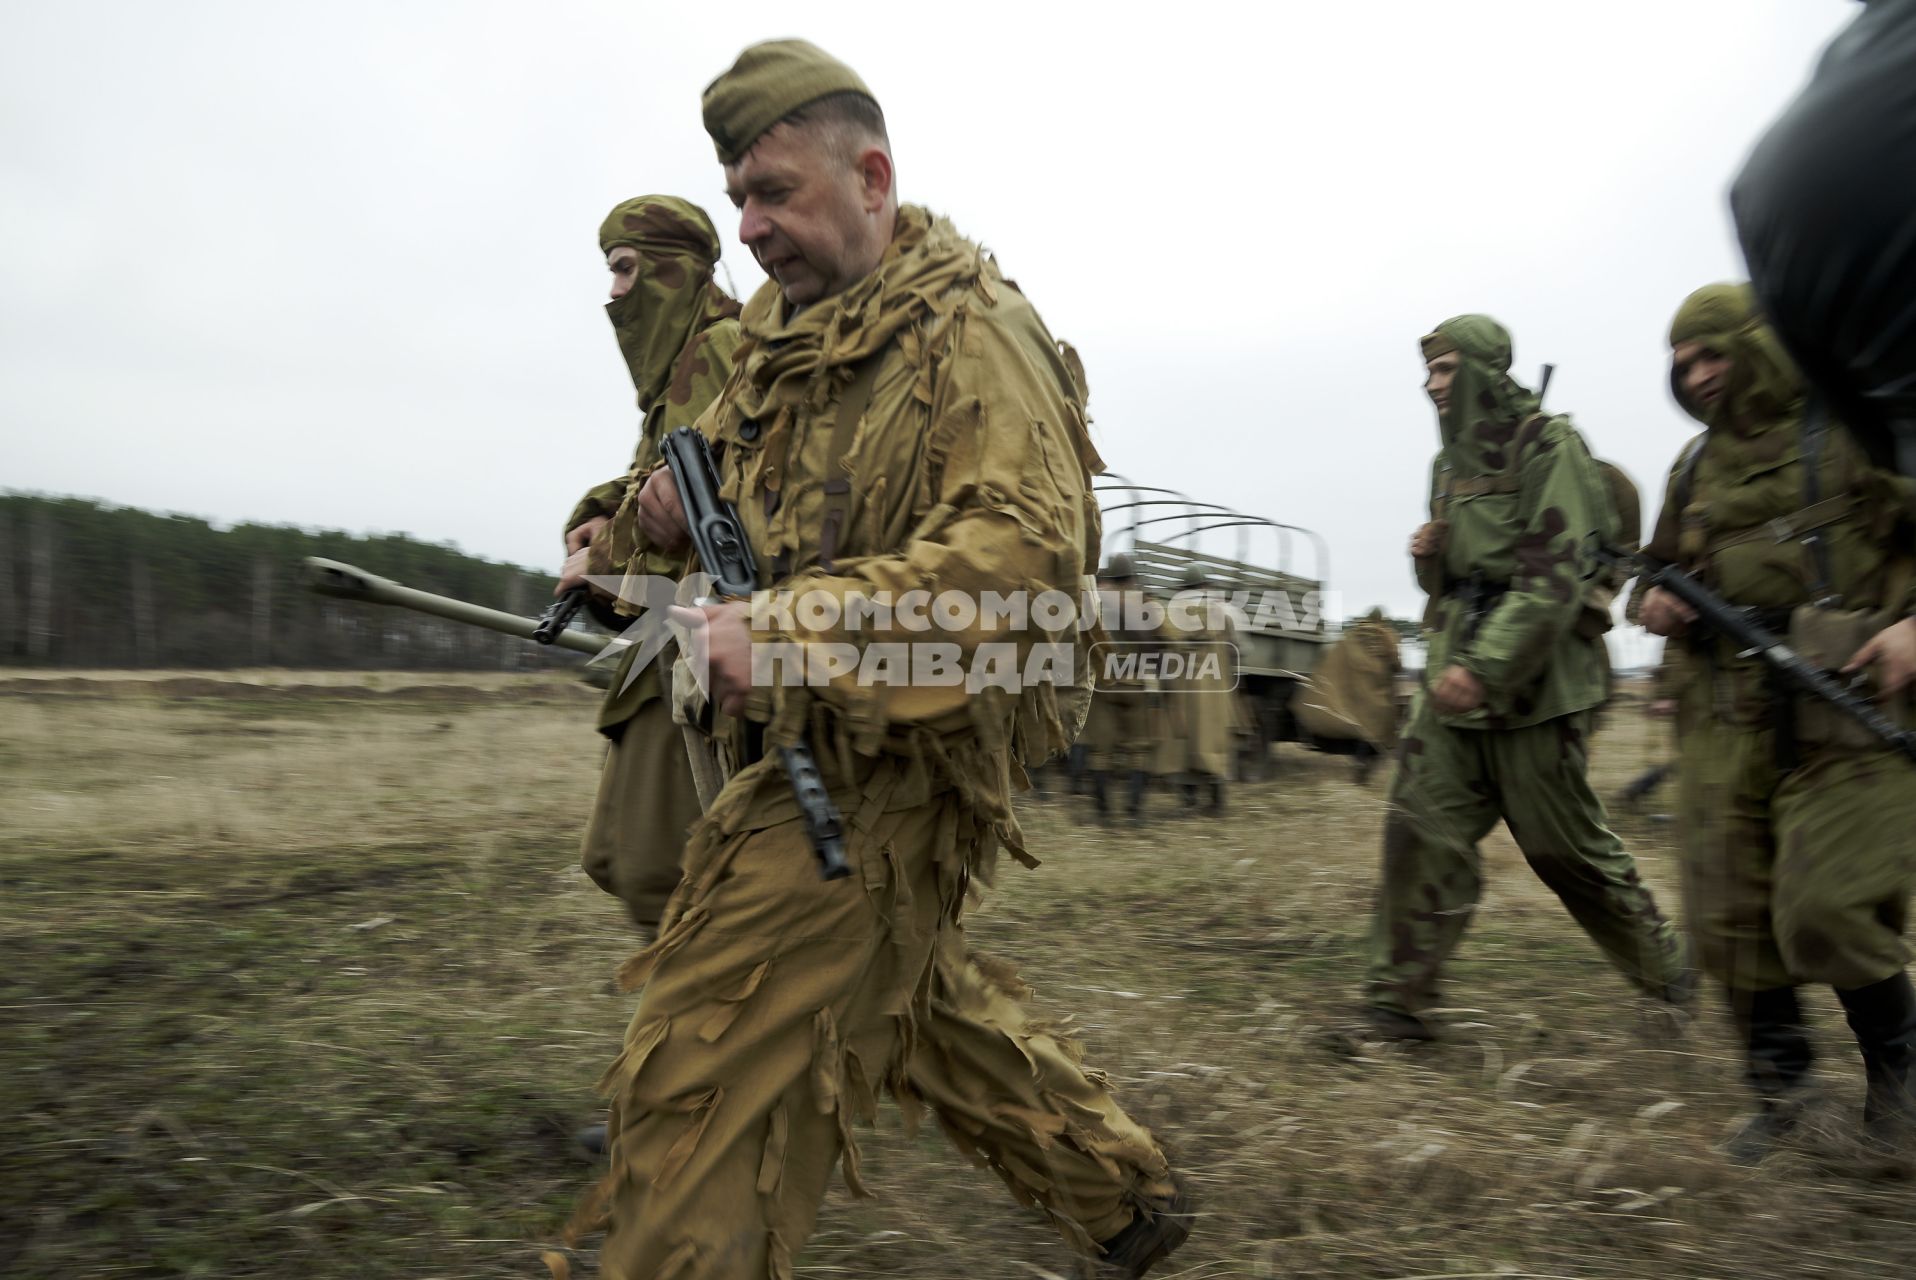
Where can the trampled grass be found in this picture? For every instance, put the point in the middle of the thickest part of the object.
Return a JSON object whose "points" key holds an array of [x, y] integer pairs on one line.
{"points": [[301, 977]]}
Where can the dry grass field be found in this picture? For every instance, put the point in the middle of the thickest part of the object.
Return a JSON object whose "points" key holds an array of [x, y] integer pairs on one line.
{"points": [[300, 977]]}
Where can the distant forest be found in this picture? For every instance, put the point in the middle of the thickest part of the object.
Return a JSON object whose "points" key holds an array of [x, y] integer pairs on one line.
{"points": [[84, 584]]}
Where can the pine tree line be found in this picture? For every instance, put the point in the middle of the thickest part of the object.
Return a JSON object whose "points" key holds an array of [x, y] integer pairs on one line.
{"points": [[84, 584]]}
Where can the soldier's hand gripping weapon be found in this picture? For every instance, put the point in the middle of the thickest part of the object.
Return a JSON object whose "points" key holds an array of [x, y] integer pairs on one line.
{"points": [[723, 552], [1753, 637]]}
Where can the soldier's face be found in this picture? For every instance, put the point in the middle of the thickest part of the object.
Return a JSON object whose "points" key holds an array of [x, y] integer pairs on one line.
{"points": [[1702, 372], [807, 212], [1440, 372], [623, 263]]}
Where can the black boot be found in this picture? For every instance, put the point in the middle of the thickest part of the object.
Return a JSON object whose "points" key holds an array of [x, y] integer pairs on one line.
{"points": [[1640, 787], [1101, 795], [1074, 768], [1159, 1228], [1777, 1064], [1217, 796], [1883, 1016], [1136, 799]]}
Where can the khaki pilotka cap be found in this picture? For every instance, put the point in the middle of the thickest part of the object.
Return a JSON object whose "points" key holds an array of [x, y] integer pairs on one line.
{"points": [[767, 83]]}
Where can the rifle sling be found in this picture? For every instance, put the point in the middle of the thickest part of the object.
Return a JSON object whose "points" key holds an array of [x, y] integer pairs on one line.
{"points": [[1793, 527], [1822, 586]]}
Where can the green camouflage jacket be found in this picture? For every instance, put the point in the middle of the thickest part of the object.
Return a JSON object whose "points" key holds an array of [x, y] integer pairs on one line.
{"points": [[1526, 508]]}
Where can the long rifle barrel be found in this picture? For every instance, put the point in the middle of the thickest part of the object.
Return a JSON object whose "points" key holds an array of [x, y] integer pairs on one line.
{"points": [[347, 582]]}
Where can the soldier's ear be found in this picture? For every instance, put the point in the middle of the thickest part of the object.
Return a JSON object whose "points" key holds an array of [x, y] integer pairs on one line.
{"points": [[875, 177]]}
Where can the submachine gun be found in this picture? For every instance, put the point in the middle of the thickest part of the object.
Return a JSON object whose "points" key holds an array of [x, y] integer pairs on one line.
{"points": [[719, 539], [1753, 637]]}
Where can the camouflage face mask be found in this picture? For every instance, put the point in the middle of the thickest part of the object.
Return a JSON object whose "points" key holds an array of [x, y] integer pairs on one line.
{"points": [[677, 249], [1486, 404]]}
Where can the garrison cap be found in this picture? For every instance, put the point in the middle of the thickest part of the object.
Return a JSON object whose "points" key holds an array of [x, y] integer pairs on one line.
{"points": [[767, 83]]}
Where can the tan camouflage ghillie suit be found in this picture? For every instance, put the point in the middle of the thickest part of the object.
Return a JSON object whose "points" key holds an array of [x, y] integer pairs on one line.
{"points": [[1799, 855], [1522, 497], [775, 1005], [1203, 711], [1352, 696], [677, 330]]}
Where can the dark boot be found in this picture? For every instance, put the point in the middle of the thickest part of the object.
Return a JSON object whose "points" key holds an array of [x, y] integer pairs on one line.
{"points": [[1159, 1227], [1883, 1016], [1101, 795], [1643, 784], [592, 1138], [1217, 796], [1074, 767], [1778, 1057], [1374, 1023], [1138, 781], [1363, 763]]}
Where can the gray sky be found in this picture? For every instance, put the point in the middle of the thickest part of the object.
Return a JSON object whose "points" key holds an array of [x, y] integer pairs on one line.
{"points": [[336, 264]]}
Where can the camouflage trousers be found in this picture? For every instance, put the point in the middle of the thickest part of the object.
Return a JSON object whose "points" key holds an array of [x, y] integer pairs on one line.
{"points": [[1452, 786], [774, 1008], [1794, 877], [645, 805]]}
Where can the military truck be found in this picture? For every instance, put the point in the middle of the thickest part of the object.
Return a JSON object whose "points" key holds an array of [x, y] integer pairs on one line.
{"points": [[1283, 632]]}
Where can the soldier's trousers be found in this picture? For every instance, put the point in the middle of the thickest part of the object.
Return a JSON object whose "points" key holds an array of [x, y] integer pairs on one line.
{"points": [[645, 805], [1794, 877], [776, 1005], [1452, 786]]}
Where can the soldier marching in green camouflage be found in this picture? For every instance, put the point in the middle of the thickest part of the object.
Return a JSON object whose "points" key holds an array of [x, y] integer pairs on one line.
{"points": [[677, 330], [1511, 686], [1798, 829]]}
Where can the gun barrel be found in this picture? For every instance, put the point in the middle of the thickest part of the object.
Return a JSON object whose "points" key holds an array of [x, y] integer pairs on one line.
{"points": [[347, 582]]}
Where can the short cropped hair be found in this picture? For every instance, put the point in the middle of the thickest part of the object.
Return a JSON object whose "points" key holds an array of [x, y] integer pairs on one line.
{"points": [[848, 122]]}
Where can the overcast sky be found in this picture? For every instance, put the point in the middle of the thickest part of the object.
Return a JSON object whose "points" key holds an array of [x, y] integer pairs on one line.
{"points": [[336, 265]]}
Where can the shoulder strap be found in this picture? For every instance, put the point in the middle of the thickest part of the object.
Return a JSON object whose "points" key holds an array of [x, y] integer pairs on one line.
{"points": [[1822, 589], [1686, 473], [852, 404], [1477, 486]]}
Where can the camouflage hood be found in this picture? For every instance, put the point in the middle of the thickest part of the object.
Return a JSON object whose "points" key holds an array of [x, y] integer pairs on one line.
{"points": [[793, 360], [674, 296], [1487, 405], [1765, 387]]}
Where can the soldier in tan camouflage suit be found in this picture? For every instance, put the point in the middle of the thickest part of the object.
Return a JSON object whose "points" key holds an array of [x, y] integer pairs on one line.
{"points": [[900, 420], [1118, 731], [677, 330], [1350, 700], [1798, 829], [1500, 726]]}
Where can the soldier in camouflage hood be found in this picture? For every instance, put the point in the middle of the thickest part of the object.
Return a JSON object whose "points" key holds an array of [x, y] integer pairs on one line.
{"points": [[1797, 830], [900, 420], [1510, 690], [677, 330]]}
